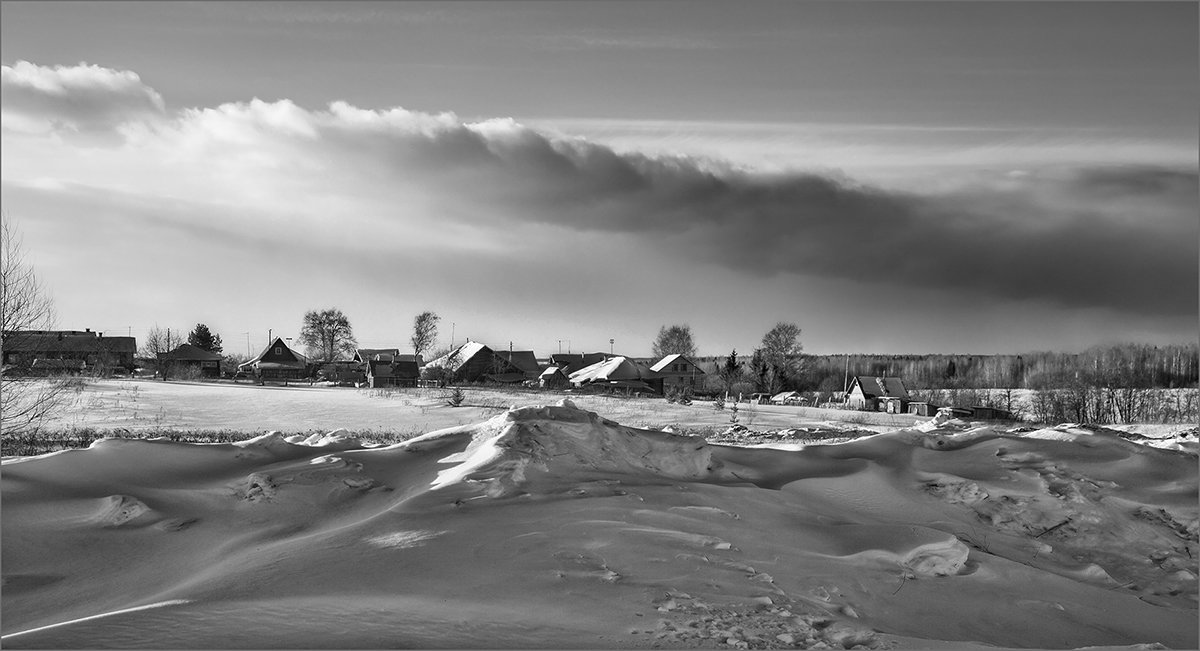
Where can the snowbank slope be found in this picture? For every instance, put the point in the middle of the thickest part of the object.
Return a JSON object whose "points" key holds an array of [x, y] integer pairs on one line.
{"points": [[553, 527]]}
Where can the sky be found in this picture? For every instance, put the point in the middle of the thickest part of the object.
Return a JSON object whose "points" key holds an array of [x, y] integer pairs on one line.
{"points": [[893, 177]]}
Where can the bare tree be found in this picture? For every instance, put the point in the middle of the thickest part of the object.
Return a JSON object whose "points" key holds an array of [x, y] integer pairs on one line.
{"points": [[158, 343], [781, 355], [676, 339], [25, 307], [327, 334], [424, 331]]}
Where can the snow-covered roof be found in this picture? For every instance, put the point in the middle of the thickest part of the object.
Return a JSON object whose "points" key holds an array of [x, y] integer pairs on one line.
{"points": [[615, 368], [454, 360]]}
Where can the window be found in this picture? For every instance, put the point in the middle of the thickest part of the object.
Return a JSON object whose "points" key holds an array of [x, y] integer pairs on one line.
{"points": [[278, 350]]}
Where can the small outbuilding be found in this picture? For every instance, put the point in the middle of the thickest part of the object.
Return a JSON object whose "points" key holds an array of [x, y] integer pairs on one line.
{"points": [[922, 408], [553, 378]]}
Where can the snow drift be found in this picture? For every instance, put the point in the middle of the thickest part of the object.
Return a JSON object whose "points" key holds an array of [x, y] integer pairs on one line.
{"points": [[553, 527]]}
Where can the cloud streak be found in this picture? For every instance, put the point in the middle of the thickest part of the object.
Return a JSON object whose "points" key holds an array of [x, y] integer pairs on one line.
{"points": [[1122, 238]]}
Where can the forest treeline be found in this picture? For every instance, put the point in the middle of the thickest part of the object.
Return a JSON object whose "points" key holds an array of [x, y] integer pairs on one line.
{"points": [[1124, 365]]}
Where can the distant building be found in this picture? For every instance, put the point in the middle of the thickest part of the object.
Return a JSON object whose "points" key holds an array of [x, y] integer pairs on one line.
{"points": [[618, 373], [82, 351], [989, 413], [553, 378], [204, 363], [678, 372], [475, 362], [276, 362], [872, 393], [524, 360], [387, 370], [922, 408]]}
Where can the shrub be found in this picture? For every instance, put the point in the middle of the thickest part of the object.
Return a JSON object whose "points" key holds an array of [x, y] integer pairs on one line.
{"points": [[456, 397]]}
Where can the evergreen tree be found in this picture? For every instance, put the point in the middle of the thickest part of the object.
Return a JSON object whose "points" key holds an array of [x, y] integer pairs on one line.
{"points": [[201, 337]]}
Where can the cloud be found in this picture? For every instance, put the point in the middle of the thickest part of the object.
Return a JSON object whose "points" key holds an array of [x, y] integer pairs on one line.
{"points": [[1120, 238], [79, 99]]}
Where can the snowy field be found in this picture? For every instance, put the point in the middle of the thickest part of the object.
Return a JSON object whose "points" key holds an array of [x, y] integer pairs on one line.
{"points": [[552, 527], [146, 405]]}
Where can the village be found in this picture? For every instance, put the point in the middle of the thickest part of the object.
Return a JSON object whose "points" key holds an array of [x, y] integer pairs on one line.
{"points": [[674, 377]]}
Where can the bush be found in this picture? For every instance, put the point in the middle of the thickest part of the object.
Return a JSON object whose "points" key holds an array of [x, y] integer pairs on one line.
{"points": [[719, 402], [456, 397]]}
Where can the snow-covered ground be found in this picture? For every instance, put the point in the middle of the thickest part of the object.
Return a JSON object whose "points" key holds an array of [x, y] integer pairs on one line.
{"points": [[552, 527]]}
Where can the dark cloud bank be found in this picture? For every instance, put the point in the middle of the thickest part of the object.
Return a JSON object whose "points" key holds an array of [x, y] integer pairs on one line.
{"points": [[1123, 238]]}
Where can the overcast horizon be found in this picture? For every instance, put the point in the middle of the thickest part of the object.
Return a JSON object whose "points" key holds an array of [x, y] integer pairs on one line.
{"points": [[893, 177]]}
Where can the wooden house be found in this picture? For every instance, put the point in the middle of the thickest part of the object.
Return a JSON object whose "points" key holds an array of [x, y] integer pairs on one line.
{"points": [[679, 372], [84, 350], [524, 360], [276, 362], [619, 373], [204, 363], [473, 362], [386, 370], [870, 393]]}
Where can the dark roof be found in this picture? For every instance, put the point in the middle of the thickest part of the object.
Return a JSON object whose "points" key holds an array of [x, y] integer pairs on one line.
{"points": [[880, 387], [367, 354], [522, 359], [188, 352], [67, 341], [400, 369], [300, 359]]}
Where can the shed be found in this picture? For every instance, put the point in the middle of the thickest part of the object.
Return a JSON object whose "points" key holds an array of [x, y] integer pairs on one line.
{"points": [[553, 378], [922, 408]]}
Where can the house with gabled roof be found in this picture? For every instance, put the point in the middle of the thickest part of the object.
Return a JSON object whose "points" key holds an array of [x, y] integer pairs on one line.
{"points": [[679, 372], [618, 372], [276, 362], [524, 360], [553, 378], [474, 362], [80, 350], [203, 362], [872, 393], [571, 362], [387, 370]]}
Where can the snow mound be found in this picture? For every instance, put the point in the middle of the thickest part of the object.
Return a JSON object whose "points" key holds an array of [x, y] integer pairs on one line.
{"points": [[551, 527]]}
